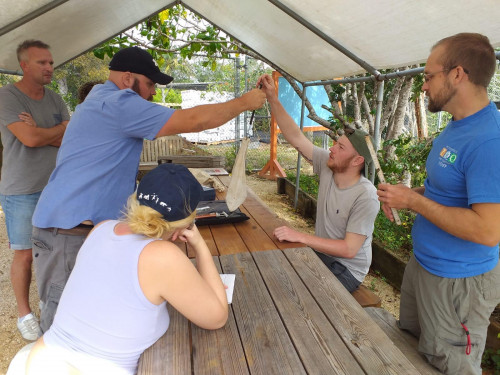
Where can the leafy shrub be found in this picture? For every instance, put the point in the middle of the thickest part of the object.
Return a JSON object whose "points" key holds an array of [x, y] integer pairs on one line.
{"points": [[491, 360], [395, 238], [308, 184], [410, 156]]}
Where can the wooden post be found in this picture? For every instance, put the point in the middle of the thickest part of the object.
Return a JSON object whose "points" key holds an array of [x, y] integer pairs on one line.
{"points": [[272, 166]]}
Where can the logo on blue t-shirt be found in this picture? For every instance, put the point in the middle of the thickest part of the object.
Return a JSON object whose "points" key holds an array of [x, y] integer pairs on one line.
{"points": [[447, 155]]}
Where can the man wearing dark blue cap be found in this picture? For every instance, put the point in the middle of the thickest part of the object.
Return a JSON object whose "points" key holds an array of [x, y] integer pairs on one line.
{"points": [[98, 162]]}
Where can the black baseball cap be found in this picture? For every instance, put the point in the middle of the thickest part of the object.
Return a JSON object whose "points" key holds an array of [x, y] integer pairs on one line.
{"points": [[170, 189], [138, 60]]}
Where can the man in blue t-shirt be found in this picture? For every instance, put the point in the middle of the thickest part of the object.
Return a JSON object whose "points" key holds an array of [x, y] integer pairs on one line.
{"points": [[452, 283], [97, 163]]}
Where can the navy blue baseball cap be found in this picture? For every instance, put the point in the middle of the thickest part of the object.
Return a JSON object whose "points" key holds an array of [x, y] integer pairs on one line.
{"points": [[138, 60], [171, 190]]}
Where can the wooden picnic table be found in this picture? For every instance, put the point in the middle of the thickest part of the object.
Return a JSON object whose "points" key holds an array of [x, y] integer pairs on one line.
{"points": [[289, 315]]}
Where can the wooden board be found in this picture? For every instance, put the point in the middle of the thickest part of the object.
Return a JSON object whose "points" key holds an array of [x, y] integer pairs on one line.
{"points": [[318, 344], [267, 219], [172, 353], [207, 236], [403, 340], [227, 239], [375, 353], [267, 346], [220, 351], [253, 235]]}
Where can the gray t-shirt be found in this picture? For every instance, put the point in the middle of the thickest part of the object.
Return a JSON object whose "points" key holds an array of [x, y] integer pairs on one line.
{"points": [[345, 210], [26, 170]]}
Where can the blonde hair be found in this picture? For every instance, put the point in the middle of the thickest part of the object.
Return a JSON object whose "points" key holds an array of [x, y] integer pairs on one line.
{"points": [[149, 222]]}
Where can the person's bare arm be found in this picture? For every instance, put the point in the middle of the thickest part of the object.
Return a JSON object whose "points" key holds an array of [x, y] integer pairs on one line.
{"points": [[289, 128], [346, 248], [478, 224], [210, 116], [34, 136], [197, 293]]}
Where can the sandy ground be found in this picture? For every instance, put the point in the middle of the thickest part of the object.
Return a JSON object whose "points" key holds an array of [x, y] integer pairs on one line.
{"points": [[11, 341]]}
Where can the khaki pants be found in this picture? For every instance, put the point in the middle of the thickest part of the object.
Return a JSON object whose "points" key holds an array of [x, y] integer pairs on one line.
{"points": [[54, 257], [433, 308]]}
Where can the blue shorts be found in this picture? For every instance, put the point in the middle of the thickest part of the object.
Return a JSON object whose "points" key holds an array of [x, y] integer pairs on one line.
{"points": [[18, 210]]}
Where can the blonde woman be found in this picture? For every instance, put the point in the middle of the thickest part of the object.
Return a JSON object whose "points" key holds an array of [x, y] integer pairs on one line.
{"points": [[114, 304]]}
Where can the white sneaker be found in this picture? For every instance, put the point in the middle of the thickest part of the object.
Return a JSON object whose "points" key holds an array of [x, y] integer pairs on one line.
{"points": [[28, 326]]}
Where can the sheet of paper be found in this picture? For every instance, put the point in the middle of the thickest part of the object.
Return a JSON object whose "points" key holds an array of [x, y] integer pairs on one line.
{"points": [[228, 280], [216, 171]]}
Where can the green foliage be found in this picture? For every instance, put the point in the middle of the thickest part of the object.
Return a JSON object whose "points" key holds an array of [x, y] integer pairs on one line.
{"points": [[396, 238], [230, 155], [69, 77], [308, 184], [174, 31], [372, 285], [418, 82], [491, 359], [411, 154], [5, 79], [167, 96]]}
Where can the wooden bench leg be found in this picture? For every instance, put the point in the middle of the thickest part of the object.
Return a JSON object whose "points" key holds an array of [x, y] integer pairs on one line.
{"points": [[366, 298]]}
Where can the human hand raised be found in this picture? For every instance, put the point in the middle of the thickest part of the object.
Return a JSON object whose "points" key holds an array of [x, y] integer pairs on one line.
{"points": [[27, 118], [267, 83], [254, 99]]}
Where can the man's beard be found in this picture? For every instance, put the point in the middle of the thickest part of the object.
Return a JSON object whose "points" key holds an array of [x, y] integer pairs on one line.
{"points": [[342, 167], [437, 103], [135, 87]]}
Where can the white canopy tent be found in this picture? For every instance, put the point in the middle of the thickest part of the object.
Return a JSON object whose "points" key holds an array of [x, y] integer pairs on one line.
{"points": [[303, 38], [310, 40]]}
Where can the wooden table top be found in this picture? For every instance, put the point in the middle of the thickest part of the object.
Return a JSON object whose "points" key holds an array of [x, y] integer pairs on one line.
{"points": [[255, 234], [289, 315]]}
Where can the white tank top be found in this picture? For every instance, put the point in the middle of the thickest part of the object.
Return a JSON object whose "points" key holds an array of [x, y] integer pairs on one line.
{"points": [[103, 311]]}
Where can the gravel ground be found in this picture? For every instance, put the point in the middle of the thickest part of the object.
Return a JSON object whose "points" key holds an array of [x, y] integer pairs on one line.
{"points": [[11, 341]]}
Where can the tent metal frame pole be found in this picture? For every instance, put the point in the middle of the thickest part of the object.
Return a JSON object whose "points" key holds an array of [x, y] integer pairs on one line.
{"points": [[376, 130], [299, 156], [325, 37], [381, 77], [378, 115], [12, 72], [31, 16]]}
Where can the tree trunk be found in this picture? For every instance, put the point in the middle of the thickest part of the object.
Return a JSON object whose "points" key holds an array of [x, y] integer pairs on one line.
{"points": [[396, 128], [421, 117], [390, 106], [369, 117], [355, 103]]}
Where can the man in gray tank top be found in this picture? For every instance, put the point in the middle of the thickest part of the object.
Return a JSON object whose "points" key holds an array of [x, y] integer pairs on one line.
{"points": [[32, 123], [347, 201]]}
